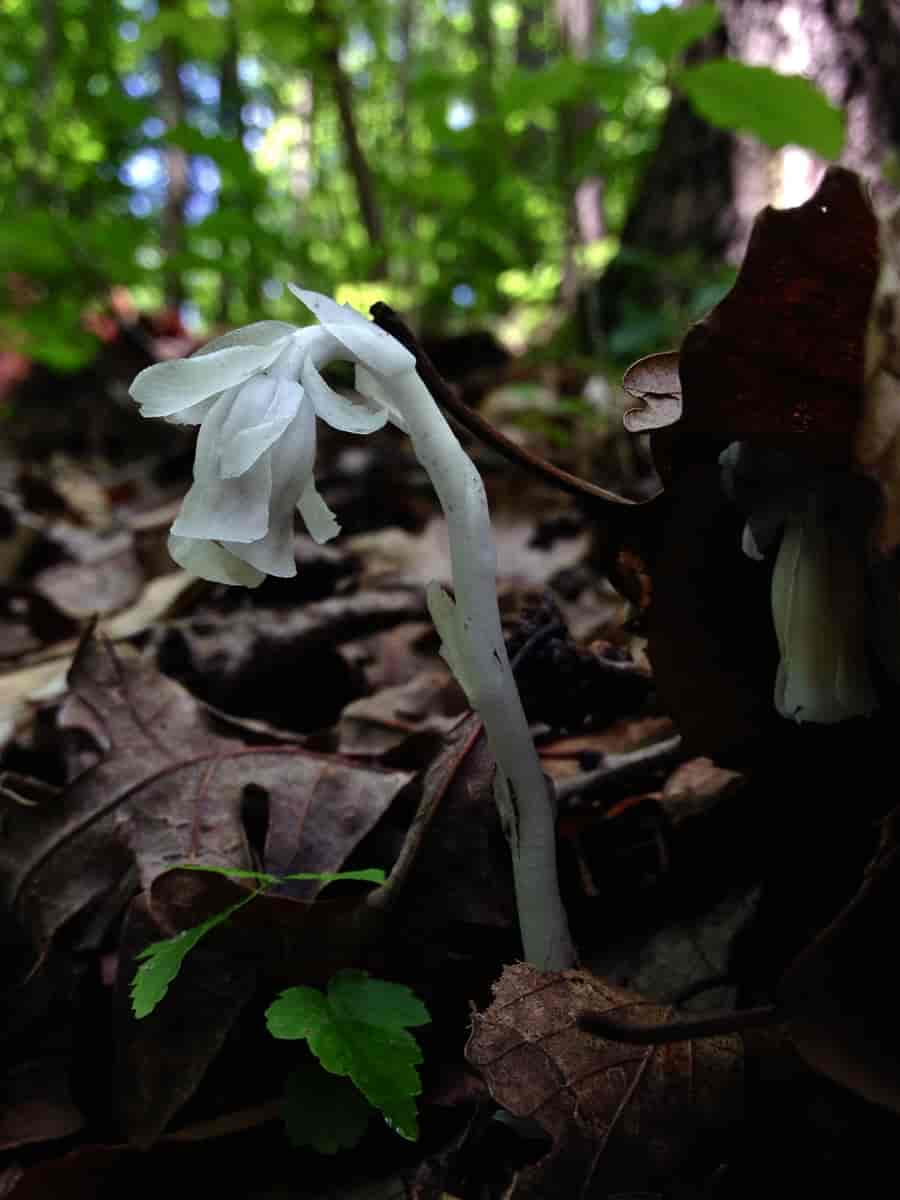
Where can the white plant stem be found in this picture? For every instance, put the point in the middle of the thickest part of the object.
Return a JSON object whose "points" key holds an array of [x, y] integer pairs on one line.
{"points": [[475, 649]]}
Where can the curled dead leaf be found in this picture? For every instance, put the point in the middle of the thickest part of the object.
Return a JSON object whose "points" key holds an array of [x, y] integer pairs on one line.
{"points": [[646, 1107], [783, 353], [655, 383]]}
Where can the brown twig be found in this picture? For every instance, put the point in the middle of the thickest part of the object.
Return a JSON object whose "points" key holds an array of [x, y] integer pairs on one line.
{"points": [[618, 766], [681, 1029], [610, 502]]}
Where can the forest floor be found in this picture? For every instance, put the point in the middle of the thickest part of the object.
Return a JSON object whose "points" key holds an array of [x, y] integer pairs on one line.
{"points": [[149, 720]]}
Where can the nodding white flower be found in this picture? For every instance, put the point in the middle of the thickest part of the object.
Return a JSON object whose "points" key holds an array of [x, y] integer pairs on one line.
{"points": [[819, 610], [815, 520], [256, 393]]}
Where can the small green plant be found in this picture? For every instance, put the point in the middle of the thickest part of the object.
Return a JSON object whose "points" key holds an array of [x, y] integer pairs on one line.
{"points": [[357, 1030]]}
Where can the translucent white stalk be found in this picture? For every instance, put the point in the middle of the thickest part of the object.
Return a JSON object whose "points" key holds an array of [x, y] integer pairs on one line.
{"points": [[475, 650]]}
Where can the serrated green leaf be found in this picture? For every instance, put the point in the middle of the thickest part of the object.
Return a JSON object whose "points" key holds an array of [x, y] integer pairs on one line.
{"points": [[371, 875], [358, 1028], [778, 109], [323, 1110], [359, 997], [669, 31], [161, 961]]}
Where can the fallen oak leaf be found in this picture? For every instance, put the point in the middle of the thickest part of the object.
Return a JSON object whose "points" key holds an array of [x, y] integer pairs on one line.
{"points": [[169, 791], [645, 1109]]}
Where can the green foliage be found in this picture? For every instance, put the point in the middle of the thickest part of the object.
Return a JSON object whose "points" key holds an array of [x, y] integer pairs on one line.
{"points": [[474, 149], [669, 31], [778, 109], [327, 1112], [357, 1031], [161, 961], [358, 1028]]}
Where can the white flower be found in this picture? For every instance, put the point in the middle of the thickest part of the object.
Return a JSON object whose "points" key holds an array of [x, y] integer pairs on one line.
{"points": [[256, 393], [816, 520], [818, 608]]}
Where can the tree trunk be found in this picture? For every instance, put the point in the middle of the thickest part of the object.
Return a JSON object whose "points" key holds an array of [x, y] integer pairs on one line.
{"points": [[703, 187], [172, 110], [363, 178]]}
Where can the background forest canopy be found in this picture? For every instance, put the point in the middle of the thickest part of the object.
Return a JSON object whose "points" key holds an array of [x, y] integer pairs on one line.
{"points": [[475, 163]]}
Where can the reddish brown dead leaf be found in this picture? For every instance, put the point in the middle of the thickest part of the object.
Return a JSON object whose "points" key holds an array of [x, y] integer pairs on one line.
{"points": [[605, 1105], [29, 621], [783, 353], [654, 382], [252, 664], [395, 656], [162, 1059], [105, 578], [171, 790], [695, 787], [455, 871], [429, 704]]}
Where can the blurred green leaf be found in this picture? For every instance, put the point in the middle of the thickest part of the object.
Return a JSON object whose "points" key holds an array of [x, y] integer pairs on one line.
{"points": [[778, 109], [669, 31]]}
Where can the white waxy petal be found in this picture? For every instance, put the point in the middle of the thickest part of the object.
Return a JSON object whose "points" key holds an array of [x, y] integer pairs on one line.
{"points": [[320, 521], [292, 458], [368, 343], [818, 597], [171, 387], [340, 412], [272, 554], [216, 508], [195, 415], [208, 560], [260, 333], [375, 392], [233, 509], [261, 412]]}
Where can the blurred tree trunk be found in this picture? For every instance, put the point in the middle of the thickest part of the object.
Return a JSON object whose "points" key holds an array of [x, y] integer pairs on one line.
{"points": [[584, 193], [330, 35], [483, 43], [406, 25], [39, 185], [703, 187], [172, 111], [231, 103], [531, 51]]}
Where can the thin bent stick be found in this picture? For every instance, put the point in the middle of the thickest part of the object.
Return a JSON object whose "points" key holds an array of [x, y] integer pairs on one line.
{"points": [[387, 319]]}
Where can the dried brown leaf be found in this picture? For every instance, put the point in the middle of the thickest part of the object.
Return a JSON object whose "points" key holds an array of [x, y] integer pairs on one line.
{"points": [[605, 1105], [169, 791], [430, 703], [655, 383], [107, 579]]}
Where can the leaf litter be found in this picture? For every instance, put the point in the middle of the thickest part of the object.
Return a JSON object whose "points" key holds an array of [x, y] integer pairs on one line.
{"points": [[201, 740]]}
